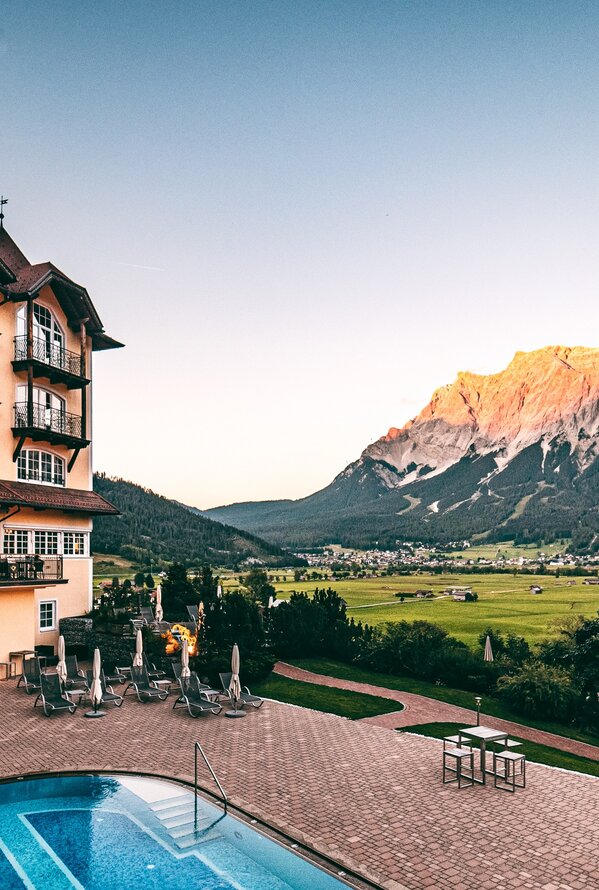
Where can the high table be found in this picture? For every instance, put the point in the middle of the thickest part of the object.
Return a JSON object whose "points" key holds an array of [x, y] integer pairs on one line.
{"points": [[483, 734]]}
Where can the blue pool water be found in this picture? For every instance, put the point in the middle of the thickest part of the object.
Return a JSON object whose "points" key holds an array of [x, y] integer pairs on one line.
{"points": [[127, 833]]}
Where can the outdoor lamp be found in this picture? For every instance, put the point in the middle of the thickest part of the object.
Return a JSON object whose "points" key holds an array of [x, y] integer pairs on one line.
{"points": [[478, 700]]}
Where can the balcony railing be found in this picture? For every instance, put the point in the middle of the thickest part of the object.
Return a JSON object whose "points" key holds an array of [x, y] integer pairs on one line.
{"points": [[22, 569], [51, 419], [49, 354]]}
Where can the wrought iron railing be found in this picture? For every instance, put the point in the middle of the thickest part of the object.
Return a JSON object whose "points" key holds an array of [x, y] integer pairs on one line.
{"points": [[52, 419], [49, 354], [30, 568]]}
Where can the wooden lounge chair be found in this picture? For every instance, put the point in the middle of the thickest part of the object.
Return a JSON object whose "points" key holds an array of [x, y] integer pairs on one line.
{"points": [[108, 693], [246, 697], [30, 676], [76, 678], [52, 697], [143, 686], [194, 698]]}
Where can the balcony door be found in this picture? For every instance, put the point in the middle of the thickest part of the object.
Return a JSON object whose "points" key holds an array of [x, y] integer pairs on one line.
{"points": [[48, 338], [48, 408]]}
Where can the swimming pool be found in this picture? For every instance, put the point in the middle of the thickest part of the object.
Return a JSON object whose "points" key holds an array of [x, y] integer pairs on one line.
{"points": [[129, 832]]}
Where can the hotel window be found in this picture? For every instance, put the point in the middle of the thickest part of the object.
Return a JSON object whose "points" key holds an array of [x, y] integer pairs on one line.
{"points": [[75, 544], [46, 543], [48, 615], [40, 466], [16, 542]]}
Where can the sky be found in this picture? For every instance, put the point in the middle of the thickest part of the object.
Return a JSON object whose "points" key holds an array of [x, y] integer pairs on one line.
{"points": [[300, 218]]}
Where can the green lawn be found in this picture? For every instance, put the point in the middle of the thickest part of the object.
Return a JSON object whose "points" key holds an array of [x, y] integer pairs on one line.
{"points": [[533, 751], [354, 705], [490, 705], [505, 602]]}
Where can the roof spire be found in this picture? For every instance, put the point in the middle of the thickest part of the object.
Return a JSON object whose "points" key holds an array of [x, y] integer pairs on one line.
{"points": [[3, 201]]}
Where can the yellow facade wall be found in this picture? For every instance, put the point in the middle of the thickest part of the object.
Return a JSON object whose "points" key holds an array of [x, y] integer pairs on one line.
{"points": [[17, 621]]}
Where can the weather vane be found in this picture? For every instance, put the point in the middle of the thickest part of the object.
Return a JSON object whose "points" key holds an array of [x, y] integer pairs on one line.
{"points": [[3, 201]]}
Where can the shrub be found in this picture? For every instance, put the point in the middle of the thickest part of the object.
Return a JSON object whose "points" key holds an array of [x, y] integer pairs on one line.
{"points": [[538, 690]]}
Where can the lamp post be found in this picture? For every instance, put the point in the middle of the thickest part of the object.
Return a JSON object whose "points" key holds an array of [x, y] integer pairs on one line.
{"points": [[478, 701]]}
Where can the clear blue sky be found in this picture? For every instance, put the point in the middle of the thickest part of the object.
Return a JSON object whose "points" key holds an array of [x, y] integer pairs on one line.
{"points": [[301, 217]]}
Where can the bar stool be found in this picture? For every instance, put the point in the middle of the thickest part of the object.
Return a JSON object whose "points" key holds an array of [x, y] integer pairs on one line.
{"points": [[456, 742], [509, 775], [10, 669], [463, 759]]}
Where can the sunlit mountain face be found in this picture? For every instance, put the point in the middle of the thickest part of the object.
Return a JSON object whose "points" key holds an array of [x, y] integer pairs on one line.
{"points": [[512, 454]]}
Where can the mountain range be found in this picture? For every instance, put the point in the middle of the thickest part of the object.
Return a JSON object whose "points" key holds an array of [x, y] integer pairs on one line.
{"points": [[152, 528], [500, 456]]}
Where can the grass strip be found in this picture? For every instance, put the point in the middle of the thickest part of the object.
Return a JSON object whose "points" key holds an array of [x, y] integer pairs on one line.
{"points": [[534, 752], [354, 705], [464, 699]]}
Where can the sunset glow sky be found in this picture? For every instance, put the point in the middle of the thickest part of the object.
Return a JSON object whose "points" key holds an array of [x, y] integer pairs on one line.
{"points": [[301, 218]]}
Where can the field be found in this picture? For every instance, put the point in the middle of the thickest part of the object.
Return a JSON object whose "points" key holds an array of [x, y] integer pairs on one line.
{"points": [[505, 602]]}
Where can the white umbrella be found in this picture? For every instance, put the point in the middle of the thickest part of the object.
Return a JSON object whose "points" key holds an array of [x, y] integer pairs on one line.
{"points": [[139, 650], [219, 592], [158, 610], [61, 667], [235, 685], [95, 693], [271, 602], [185, 672], [488, 649]]}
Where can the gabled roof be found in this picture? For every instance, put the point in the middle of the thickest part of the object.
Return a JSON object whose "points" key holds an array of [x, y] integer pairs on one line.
{"points": [[28, 280], [44, 497]]}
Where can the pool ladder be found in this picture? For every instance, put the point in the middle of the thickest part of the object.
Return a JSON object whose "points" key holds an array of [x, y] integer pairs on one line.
{"points": [[199, 750]]}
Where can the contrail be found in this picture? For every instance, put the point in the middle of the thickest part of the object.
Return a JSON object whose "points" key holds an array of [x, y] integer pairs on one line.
{"points": [[137, 266]]}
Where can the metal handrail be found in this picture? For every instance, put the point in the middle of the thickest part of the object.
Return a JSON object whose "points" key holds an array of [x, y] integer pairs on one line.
{"points": [[199, 748], [49, 354], [53, 419]]}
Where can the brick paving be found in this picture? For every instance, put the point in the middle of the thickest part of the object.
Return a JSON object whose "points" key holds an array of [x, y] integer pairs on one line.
{"points": [[420, 709], [369, 798]]}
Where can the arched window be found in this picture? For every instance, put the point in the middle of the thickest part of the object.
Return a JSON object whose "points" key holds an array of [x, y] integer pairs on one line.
{"points": [[48, 338], [40, 466]]}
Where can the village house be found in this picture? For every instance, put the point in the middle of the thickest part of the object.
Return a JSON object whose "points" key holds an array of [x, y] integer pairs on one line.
{"points": [[49, 328]]}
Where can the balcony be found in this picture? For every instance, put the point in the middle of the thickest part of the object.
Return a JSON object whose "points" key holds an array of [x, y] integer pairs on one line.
{"points": [[50, 362], [29, 571], [52, 425]]}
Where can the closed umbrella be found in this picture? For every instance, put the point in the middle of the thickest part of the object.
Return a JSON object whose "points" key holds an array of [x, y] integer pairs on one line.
{"points": [[138, 660], [235, 684], [185, 672], [219, 592], [61, 667], [158, 611], [271, 602], [488, 649], [95, 692]]}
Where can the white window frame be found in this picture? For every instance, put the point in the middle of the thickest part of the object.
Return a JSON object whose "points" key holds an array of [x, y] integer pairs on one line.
{"points": [[54, 604], [24, 454], [27, 539], [84, 544]]}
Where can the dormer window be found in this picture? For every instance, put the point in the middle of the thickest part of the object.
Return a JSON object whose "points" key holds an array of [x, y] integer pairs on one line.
{"points": [[40, 466]]}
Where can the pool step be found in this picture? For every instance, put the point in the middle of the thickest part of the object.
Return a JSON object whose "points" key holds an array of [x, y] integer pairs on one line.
{"points": [[170, 803], [195, 839]]}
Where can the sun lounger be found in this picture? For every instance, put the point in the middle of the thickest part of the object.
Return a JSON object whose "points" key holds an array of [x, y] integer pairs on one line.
{"points": [[153, 672], [147, 615], [143, 686], [76, 678], [108, 693], [194, 698], [246, 697], [194, 614], [52, 697], [30, 676]]}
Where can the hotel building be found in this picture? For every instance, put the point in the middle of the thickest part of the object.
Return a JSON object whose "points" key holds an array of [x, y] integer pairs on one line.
{"points": [[49, 330]]}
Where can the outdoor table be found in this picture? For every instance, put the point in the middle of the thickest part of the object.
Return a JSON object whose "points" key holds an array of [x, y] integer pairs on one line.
{"points": [[484, 734], [22, 654]]}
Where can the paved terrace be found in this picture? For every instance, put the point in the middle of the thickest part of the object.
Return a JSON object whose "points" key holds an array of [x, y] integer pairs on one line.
{"points": [[420, 709], [368, 797]]}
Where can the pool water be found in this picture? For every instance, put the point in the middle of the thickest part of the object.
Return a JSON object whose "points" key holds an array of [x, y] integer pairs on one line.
{"points": [[127, 833]]}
